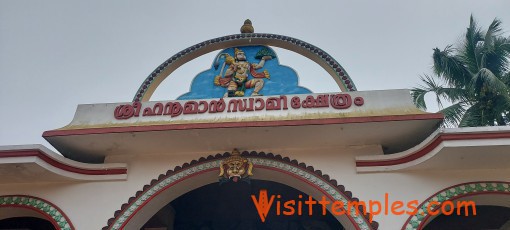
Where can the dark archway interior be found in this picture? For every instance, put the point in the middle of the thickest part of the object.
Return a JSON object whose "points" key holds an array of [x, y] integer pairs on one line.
{"points": [[229, 206], [26, 223], [486, 218]]}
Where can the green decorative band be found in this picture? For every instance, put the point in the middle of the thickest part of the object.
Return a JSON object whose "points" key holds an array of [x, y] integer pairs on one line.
{"points": [[58, 218], [452, 193], [308, 174]]}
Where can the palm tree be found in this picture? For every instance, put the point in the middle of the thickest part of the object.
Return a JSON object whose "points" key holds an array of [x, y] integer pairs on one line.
{"points": [[474, 77]]}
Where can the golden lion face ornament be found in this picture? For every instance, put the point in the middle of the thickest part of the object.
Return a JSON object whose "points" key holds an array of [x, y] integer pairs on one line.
{"points": [[235, 168]]}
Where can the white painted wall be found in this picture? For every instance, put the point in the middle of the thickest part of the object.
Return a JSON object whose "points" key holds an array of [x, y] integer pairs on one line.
{"points": [[90, 204]]}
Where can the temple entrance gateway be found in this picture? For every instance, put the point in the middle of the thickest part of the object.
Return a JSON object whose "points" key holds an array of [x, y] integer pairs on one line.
{"points": [[487, 217], [203, 161]]}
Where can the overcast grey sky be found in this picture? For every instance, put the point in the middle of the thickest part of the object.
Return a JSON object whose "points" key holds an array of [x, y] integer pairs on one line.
{"points": [[56, 54]]}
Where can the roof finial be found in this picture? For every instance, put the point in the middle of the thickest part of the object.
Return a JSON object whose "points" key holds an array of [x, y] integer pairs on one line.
{"points": [[247, 27], [235, 152]]}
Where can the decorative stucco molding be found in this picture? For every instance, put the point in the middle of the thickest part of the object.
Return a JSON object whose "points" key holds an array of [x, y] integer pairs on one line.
{"points": [[57, 164], [53, 214], [432, 146], [418, 220], [322, 182]]}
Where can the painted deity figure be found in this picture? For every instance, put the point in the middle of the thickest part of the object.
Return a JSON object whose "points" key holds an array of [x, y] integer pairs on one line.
{"points": [[236, 76]]}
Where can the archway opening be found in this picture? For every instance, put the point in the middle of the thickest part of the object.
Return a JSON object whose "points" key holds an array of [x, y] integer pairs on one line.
{"points": [[484, 209], [27, 212], [21, 218], [229, 206], [23, 223], [487, 217]]}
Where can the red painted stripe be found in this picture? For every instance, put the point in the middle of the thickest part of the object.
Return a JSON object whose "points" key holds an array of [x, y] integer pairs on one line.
{"points": [[424, 151], [43, 156], [324, 121]]}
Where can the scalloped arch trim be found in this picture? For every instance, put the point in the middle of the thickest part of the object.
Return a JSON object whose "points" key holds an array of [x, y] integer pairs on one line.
{"points": [[418, 220], [269, 161], [52, 212]]}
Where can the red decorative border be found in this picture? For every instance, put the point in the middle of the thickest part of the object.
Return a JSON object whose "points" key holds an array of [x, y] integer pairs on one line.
{"points": [[324, 121], [318, 173], [48, 217], [432, 145], [48, 159], [451, 199]]}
